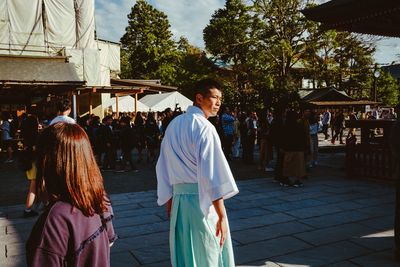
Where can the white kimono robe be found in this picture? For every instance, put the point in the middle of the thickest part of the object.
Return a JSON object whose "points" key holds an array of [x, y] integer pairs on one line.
{"points": [[191, 153]]}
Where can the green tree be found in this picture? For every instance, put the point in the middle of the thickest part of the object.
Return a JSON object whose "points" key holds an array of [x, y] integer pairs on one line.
{"points": [[148, 45], [193, 65], [283, 37], [228, 38], [387, 90]]}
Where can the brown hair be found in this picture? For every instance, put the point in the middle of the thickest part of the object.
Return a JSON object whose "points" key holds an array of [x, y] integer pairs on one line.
{"points": [[67, 169]]}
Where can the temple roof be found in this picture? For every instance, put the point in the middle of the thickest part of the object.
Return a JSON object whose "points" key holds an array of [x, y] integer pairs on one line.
{"points": [[362, 16]]}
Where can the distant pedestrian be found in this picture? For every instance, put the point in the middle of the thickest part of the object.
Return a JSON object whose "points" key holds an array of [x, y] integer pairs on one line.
{"points": [[63, 111], [294, 146], [326, 120]]}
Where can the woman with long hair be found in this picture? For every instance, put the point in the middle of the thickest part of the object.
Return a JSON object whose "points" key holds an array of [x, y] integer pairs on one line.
{"points": [[75, 229]]}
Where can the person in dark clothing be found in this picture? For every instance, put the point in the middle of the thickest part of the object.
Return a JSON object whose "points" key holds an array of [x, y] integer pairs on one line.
{"points": [[294, 146], [152, 133], [251, 135], [127, 141], [169, 115], [276, 135], [106, 144], [140, 138], [339, 125], [29, 133], [76, 227], [395, 147]]}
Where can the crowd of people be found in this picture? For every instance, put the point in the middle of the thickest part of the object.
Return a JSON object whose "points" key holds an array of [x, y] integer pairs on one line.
{"points": [[116, 136]]}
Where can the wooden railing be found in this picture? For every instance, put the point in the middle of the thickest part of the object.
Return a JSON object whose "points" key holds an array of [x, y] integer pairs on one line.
{"points": [[371, 161]]}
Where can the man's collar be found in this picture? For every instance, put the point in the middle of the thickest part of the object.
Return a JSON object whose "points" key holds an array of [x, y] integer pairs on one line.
{"points": [[195, 110]]}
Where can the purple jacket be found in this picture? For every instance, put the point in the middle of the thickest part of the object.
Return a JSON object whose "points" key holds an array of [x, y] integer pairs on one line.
{"points": [[63, 236]]}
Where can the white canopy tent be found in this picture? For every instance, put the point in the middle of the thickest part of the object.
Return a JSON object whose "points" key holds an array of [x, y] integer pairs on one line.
{"points": [[159, 102], [125, 104]]}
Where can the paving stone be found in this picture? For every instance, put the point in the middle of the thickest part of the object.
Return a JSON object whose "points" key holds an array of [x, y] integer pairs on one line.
{"points": [[158, 264], [124, 207], [305, 195], [147, 241], [322, 255], [137, 220], [19, 237], [144, 229], [123, 259], [295, 205], [149, 204], [347, 205], [267, 249], [16, 249], [120, 246], [13, 261], [262, 263], [314, 211], [269, 232], [334, 234], [335, 219], [259, 221], [246, 213], [371, 201], [381, 210], [139, 212], [381, 223], [384, 259], [255, 196], [242, 205], [377, 241], [344, 197], [152, 254], [17, 228], [342, 264]]}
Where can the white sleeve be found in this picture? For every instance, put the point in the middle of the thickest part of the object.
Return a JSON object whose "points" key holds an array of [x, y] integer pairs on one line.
{"points": [[215, 178], [164, 187]]}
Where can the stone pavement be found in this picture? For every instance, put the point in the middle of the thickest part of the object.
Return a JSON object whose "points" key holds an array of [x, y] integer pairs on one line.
{"points": [[329, 222]]}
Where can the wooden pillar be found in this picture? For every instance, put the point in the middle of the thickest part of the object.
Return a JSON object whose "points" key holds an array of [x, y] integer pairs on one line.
{"points": [[78, 104], [136, 103], [116, 105], [90, 104]]}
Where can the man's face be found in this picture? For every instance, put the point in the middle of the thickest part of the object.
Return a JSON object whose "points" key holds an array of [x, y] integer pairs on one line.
{"points": [[210, 103]]}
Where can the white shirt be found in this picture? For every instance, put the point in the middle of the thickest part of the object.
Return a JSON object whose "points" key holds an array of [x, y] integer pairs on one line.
{"points": [[191, 153], [62, 118]]}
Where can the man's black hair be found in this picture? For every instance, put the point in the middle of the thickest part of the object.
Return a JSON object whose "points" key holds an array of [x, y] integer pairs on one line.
{"points": [[203, 86], [63, 105]]}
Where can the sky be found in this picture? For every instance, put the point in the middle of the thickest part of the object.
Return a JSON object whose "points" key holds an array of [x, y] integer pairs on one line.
{"points": [[189, 17]]}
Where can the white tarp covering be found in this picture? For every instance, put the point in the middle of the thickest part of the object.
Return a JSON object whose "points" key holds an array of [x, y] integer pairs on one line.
{"points": [[86, 24], [109, 60], [91, 67], [76, 57], [159, 102], [110, 55], [87, 65], [125, 104], [68, 24], [4, 27], [60, 23], [25, 26]]}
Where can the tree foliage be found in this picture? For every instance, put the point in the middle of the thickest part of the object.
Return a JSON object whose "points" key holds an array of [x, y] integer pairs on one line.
{"points": [[148, 45]]}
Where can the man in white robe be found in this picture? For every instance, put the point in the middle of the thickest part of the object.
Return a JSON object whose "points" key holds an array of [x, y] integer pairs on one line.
{"points": [[194, 178]]}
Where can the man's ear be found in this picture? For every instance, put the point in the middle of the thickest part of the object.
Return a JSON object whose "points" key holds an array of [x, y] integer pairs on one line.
{"points": [[198, 98]]}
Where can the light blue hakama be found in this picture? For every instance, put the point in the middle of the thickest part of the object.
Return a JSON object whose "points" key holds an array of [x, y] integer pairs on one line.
{"points": [[192, 236]]}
